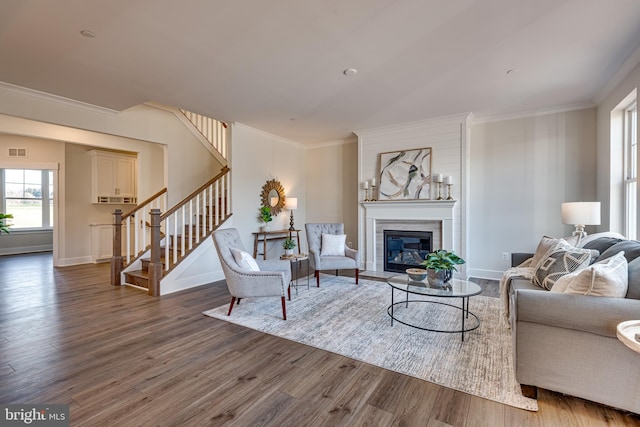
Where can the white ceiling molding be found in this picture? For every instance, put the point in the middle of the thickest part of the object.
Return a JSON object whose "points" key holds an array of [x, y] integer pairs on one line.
{"points": [[540, 112], [55, 98]]}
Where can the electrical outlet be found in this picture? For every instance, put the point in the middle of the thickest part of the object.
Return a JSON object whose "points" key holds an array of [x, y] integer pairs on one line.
{"points": [[505, 256]]}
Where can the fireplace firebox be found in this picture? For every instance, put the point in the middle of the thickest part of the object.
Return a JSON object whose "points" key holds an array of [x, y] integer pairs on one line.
{"points": [[405, 249]]}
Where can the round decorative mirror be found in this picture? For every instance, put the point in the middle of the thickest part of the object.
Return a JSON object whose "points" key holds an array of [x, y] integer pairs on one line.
{"points": [[273, 196]]}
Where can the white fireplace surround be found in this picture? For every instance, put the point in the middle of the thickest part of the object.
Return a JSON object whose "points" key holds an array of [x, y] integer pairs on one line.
{"points": [[422, 212]]}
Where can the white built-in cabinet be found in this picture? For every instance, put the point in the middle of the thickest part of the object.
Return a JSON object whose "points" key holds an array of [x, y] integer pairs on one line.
{"points": [[113, 177]]}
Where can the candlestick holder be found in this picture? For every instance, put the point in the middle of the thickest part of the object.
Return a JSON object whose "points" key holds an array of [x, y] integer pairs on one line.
{"points": [[373, 194], [366, 195], [449, 191], [439, 191]]}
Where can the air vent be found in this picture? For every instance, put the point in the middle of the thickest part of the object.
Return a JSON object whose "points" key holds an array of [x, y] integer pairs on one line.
{"points": [[17, 152]]}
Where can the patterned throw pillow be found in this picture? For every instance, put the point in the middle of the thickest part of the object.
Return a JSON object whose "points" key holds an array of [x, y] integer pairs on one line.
{"points": [[608, 278], [560, 259]]}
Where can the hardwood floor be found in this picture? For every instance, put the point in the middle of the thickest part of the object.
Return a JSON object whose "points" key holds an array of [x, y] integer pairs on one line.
{"points": [[121, 358]]}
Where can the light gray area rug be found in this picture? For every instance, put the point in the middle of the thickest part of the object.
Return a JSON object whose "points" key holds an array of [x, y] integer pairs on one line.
{"points": [[351, 320]]}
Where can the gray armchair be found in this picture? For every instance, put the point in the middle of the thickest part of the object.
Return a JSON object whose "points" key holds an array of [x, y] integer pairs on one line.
{"points": [[272, 280], [350, 260]]}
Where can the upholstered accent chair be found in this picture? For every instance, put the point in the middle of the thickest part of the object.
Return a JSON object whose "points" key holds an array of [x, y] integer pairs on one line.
{"points": [[319, 261], [272, 279]]}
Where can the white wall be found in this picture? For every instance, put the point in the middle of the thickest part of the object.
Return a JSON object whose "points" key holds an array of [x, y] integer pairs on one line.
{"points": [[521, 171], [332, 185], [256, 158]]}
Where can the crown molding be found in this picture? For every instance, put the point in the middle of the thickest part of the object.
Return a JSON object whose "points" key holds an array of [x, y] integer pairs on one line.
{"points": [[345, 141], [268, 135], [32, 93], [533, 113], [437, 121]]}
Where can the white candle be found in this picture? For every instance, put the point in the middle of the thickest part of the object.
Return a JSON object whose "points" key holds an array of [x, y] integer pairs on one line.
{"points": [[439, 177], [366, 185], [373, 182], [448, 180]]}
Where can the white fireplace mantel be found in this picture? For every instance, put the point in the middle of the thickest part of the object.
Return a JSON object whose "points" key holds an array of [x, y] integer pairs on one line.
{"points": [[406, 210]]}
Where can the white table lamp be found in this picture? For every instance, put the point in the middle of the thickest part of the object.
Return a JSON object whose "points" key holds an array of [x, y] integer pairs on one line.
{"points": [[581, 214], [291, 203]]}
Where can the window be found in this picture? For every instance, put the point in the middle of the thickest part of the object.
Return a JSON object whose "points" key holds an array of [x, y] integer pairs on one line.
{"points": [[27, 194], [631, 170]]}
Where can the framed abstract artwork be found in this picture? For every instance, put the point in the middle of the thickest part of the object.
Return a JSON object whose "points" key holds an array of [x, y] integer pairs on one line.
{"points": [[405, 175]]}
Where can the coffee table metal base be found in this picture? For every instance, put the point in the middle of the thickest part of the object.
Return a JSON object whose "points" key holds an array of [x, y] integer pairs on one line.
{"points": [[464, 310]]}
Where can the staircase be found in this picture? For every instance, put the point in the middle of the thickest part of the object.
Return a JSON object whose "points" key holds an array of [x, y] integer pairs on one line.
{"points": [[157, 239]]}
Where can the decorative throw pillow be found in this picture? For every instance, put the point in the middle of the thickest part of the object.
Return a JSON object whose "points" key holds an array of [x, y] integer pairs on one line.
{"points": [[244, 260], [543, 247], [608, 278], [547, 243], [333, 244], [560, 260]]}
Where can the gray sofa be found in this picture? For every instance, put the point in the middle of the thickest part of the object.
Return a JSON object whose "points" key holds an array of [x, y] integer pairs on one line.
{"points": [[567, 343]]}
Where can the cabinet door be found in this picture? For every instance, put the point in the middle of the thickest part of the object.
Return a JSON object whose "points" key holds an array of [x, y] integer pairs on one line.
{"points": [[125, 177], [105, 176]]}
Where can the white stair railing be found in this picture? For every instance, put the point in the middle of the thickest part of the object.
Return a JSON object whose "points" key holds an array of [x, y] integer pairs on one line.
{"points": [[212, 130]]}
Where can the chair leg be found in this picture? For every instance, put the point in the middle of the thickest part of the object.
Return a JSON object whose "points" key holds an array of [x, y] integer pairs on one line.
{"points": [[336, 272], [233, 301], [357, 274], [289, 291], [239, 299], [318, 277], [284, 309]]}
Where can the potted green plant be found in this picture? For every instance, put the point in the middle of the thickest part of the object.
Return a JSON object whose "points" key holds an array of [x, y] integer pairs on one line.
{"points": [[439, 265], [4, 226], [288, 246], [265, 216]]}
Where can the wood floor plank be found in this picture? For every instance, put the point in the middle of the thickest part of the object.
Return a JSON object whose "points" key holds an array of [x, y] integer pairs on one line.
{"points": [[120, 357]]}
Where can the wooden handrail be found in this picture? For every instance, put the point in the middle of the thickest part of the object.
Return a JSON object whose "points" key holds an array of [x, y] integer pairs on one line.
{"points": [[192, 195], [141, 205]]}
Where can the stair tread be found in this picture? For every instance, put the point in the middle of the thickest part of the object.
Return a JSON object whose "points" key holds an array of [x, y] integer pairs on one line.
{"points": [[138, 273]]}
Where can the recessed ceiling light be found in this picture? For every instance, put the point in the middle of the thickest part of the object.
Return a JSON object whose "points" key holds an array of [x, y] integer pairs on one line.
{"points": [[512, 71], [87, 33], [350, 72]]}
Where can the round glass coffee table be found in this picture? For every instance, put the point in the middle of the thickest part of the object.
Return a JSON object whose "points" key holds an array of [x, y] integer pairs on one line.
{"points": [[455, 288]]}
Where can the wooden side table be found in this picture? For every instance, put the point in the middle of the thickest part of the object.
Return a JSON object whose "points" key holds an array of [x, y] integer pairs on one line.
{"points": [[269, 235], [297, 260]]}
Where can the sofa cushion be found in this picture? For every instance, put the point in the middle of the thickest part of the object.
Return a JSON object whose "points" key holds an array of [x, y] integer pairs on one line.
{"points": [[633, 291], [607, 278], [560, 260], [602, 244], [631, 250], [578, 312]]}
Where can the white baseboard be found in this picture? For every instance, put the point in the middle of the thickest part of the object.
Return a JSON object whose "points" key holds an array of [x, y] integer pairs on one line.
{"points": [[26, 250], [64, 262], [484, 274]]}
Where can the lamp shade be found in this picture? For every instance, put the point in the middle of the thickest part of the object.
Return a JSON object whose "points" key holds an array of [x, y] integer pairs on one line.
{"points": [[291, 203], [582, 213]]}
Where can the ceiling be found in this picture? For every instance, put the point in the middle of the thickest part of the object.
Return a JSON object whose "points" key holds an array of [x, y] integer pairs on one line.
{"points": [[278, 65]]}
